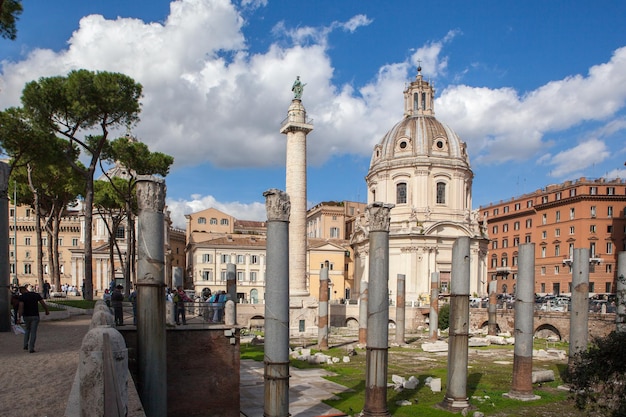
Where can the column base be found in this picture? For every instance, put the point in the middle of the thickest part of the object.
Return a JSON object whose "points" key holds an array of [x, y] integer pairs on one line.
{"points": [[454, 404], [521, 396]]}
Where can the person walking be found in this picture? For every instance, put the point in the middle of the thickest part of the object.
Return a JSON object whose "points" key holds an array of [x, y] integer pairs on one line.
{"points": [[117, 298], [180, 298], [29, 311]]}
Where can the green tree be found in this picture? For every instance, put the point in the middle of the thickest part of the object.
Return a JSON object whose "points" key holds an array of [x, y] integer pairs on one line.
{"points": [[75, 107], [136, 159], [9, 12]]}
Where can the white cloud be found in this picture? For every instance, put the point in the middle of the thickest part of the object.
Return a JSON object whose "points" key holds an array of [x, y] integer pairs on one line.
{"points": [[179, 208], [576, 159]]}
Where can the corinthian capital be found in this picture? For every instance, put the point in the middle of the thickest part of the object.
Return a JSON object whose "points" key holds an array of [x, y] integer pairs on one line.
{"points": [[277, 205], [378, 216], [151, 193]]}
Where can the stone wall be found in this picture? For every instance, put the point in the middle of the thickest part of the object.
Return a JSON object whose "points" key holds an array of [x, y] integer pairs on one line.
{"points": [[202, 370]]}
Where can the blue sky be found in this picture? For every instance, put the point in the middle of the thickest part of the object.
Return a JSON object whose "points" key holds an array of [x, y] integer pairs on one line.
{"points": [[537, 89]]}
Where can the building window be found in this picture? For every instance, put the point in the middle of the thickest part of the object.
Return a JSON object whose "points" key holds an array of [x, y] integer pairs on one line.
{"points": [[529, 223], [544, 218], [494, 261], [609, 228], [254, 259], [593, 190], [504, 261], [543, 286], [592, 286], [516, 226], [224, 222], [496, 212], [609, 269], [201, 220], [27, 241], [607, 287], [527, 239], [241, 259], [27, 212], [557, 250], [494, 244], [517, 206], [593, 211], [610, 190], [223, 275], [505, 243], [556, 270], [213, 220], [515, 259], [557, 196], [239, 275], [558, 216], [544, 234], [494, 230], [543, 252], [61, 242], [334, 232], [441, 193], [252, 276], [572, 192], [609, 248], [27, 269], [529, 203], [505, 227], [505, 209], [592, 228], [75, 242], [571, 230], [516, 241], [592, 250], [571, 213], [401, 193], [206, 258], [206, 275], [570, 250], [543, 270], [609, 211], [544, 199], [225, 259], [557, 232], [120, 233]]}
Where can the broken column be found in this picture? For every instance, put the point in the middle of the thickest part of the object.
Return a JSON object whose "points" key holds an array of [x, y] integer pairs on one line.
{"points": [[377, 312], [579, 316], [522, 387], [5, 315], [231, 285], [363, 314], [620, 316], [151, 343], [492, 324], [276, 376], [400, 309], [456, 393], [433, 317], [322, 334]]}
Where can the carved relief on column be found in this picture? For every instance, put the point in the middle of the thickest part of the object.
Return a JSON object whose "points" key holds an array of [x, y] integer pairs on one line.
{"points": [[277, 205], [378, 216], [4, 179], [151, 193]]}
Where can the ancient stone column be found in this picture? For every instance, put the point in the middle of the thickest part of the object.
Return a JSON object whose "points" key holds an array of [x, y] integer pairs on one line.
{"points": [[363, 314], [492, 323], [400, 309], [277, 305], [620, 316], [231, 284], [151, 341], [433, 317], [5, 310], [322, 334], [579, 316], [296, 128], [377, 312], [522, 387], [456, 393]]}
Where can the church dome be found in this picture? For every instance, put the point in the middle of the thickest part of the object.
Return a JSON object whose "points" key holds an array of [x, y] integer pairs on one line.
{"points": [[419, 136]]}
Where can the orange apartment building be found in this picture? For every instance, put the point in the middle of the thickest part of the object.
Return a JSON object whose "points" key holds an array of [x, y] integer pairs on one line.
{"points": [[575, 214]]}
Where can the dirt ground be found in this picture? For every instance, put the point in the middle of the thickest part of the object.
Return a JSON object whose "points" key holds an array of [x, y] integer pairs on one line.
{"points": [[38, 384]]}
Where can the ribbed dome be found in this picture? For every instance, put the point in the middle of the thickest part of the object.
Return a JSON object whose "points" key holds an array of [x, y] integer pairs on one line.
{"points": [[419, 136]]}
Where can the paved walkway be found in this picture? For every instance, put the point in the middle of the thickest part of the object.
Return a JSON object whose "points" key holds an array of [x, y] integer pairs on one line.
{"points": [[307, 389]]}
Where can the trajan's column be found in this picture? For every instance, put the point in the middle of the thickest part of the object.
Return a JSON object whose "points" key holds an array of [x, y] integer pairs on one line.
{"points": [[296, 127]]}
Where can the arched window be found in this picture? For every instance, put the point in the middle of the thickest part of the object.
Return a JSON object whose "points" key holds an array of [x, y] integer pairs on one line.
{"points": [[441, 193], [401, 193]]}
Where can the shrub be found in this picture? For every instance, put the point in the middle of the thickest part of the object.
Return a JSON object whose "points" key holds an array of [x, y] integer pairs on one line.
{"points": [[598, 377], [444, 316]]}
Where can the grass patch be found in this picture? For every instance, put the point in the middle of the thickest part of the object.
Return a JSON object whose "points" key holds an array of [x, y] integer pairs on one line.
{"points": [[486, 382]]}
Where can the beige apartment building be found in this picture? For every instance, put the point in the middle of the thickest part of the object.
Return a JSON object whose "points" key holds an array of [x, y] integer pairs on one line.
{"points": [[559, 218], [216, 239]]}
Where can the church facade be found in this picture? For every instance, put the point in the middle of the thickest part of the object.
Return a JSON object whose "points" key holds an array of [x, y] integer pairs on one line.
{"points": [[422, 167]]}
